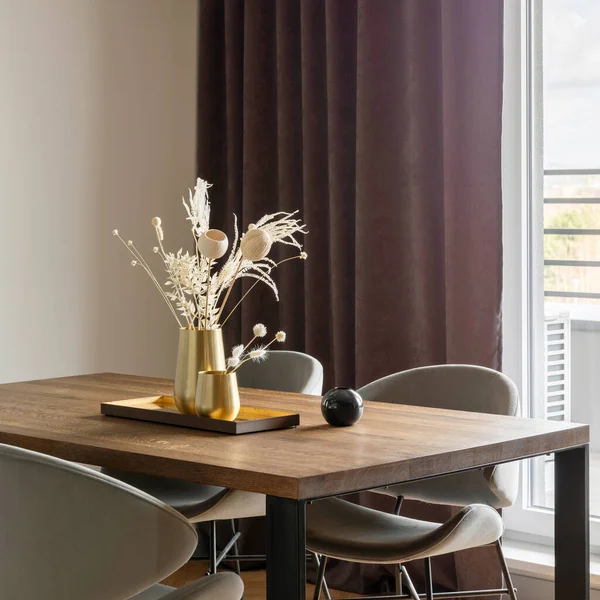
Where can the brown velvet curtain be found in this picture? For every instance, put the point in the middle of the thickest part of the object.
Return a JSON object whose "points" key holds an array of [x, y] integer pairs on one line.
{"points": [[380, 120]]}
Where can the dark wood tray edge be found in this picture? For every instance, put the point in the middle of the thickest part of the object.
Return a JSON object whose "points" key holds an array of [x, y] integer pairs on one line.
{"points": [[200, 423]]}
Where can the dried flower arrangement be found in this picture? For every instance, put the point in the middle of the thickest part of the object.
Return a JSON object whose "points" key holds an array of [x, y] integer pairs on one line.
{"points": [[195, 293], [241, 354]]}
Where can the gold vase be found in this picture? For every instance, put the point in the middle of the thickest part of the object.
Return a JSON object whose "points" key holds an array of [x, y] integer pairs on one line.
{"points": [[217, 395], [199, 350]]}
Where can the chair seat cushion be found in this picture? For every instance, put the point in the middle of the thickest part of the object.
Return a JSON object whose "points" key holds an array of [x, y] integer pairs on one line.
{"points": [[156, 592], [196, 501], [458, 489], [222, 586], [190, 499], [340, 529], [235, 504]]}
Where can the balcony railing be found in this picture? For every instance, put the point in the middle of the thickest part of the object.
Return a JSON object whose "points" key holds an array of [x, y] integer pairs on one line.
{"points": [[574, 231]]}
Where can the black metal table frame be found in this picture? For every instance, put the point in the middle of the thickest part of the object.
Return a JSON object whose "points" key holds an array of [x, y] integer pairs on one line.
{"points": [[286, 532]]}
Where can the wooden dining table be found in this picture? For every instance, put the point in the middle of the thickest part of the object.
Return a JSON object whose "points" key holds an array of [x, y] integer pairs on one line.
{"points": [[393, 443]]}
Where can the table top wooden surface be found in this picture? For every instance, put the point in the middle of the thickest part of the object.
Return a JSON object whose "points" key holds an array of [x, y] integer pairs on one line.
{"points": [[392, 443]]}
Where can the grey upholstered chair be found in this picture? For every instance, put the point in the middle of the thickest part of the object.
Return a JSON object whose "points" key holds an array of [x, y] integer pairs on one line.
{"points": [[457, 387], [283, 371], [68, 532], [339, 529]]}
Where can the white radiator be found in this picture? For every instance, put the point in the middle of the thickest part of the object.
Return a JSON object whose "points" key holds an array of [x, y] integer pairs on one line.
{"points": [[557, 367]]}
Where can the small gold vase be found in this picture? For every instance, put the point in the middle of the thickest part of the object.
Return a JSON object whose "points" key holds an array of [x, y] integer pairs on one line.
{"points": [[217, 395], [199, 350]]}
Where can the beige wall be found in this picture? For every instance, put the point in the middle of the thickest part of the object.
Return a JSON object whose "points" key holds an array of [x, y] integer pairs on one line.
{"points": [[97, 131]]}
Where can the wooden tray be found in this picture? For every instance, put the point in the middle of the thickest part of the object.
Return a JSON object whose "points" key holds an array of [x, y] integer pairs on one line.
{"points": [[162, 409]]}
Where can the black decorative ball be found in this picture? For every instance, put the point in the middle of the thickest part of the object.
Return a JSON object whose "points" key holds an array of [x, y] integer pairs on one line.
{"points": [[342, 406]]}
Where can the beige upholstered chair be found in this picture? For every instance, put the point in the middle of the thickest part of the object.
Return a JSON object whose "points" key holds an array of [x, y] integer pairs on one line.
{"points": [[457, 387], [68, 532], [339, 529], [283, 371]]}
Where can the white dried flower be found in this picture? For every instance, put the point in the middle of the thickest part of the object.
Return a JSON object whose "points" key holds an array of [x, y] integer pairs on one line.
{"points": [[255, 245], [156, 221], [198, 207], [233, 362], [134, 263], [259, 330], [236, 352], [199, 294], [258, 354], [182, 269], [280, 336], [303, 255], [282, 227]]}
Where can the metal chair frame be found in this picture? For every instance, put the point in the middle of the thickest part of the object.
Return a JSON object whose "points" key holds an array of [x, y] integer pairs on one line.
{"points": [[429, 593], [215, 557], [401, 573]]}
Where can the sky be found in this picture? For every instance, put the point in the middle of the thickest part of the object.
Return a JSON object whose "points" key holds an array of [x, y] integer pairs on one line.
{"points": [[571, 84]]}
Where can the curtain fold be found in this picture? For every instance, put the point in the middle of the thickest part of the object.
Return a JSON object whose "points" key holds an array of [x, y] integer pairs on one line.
{"points": [[380, 121]]}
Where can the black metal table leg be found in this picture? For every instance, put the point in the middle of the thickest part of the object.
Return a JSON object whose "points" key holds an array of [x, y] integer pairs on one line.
{"points": [[572, 524], [286, 549]]}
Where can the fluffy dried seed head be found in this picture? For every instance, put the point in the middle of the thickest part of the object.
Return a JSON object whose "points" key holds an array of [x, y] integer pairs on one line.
{"points": [[258, 354], [259, 330]]}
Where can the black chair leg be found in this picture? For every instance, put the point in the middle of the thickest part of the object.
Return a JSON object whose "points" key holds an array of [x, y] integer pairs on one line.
{"points": [[236, 563], [320, 577], [428, 580], [398, 577], [212, 547], [398, 505], [512, 593], [409, 584], [398, 569], [315, 558], [235, 549]]}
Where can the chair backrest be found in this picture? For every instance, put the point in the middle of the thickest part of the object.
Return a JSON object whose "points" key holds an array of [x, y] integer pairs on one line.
{"points": [[457, 387], [69, 532], [284, 371]]}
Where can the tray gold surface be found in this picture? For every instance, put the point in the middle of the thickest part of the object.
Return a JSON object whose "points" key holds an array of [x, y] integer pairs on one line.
{"points": [[162, 409]]}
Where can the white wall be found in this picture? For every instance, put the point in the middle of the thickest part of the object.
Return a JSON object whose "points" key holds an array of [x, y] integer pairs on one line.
{"points": [[97, 131]]}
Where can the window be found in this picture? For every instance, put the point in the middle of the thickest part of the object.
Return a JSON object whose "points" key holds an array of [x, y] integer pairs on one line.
{"points": [[570, 150], [571, 156], [557, 232]]}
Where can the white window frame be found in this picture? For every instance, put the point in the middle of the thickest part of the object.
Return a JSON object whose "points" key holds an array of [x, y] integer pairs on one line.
{"points": [[522, 185]]}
